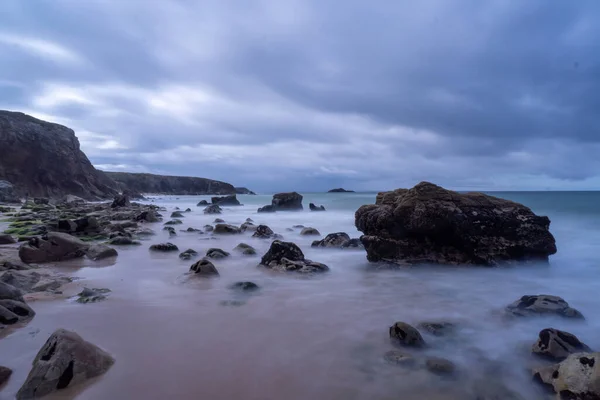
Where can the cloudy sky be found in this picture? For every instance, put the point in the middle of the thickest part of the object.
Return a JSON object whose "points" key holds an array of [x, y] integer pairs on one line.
{"points": [[314, 94]]}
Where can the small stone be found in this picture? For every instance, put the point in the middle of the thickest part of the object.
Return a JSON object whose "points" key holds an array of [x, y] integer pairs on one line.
{"points": [[177, 214], [310, 231], [164, 247], [218, 221], [174, 222], [440, 366]]}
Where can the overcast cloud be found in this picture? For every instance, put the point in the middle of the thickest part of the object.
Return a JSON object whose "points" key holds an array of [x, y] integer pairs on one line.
{"points": [[313, 94]]}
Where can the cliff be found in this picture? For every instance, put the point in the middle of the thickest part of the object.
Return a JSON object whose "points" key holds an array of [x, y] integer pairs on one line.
{"points": [[43, 159], [164, 184]]}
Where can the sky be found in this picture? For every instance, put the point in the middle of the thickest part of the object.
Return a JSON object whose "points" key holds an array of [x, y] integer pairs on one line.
{"points": [[309, 95]]}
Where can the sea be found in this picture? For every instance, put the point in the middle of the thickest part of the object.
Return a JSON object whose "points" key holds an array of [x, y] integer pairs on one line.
{"points": [[175, 336]]}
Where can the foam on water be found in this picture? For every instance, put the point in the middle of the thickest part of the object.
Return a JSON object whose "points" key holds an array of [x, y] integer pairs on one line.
{"points": [[323, 336]]}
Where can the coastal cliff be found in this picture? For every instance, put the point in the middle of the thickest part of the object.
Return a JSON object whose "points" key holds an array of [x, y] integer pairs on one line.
{"points": [[44, 159], [165, 184]]}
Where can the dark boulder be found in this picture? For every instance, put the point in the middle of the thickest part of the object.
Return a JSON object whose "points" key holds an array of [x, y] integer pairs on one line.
{"points": [[248, 226], [123, 241], [245, 286], [225, 229], [266, 209], [177, 214], [174, 222], [5, 374], [164, 247], [558, 345], [332, 240], [7, 239], [245, 249], [120, 200], [188, 254], [263, 232], [218, 221], [213, 209], [313, 207], [64, 361], [429, 224], [202, 203], [310, 232], [287, 257], [148, 216], [204, 268], [287, 201], [55, 246], [542, 304], [216, 253], [230, 200], [405, 334]]}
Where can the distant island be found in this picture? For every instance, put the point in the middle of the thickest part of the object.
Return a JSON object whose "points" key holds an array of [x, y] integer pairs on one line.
{"points": [[243, 190], [340, 190]]}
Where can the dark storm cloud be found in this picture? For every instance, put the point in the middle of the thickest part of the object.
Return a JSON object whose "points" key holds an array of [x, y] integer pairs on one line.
{"points": [[307, 94]]}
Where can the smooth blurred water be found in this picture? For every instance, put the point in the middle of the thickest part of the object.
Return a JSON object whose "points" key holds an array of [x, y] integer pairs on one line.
{"points": [[321, 337]]}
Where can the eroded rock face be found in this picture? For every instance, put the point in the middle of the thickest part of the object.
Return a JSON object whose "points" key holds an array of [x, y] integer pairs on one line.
{"points": [[55, 246], [558, 345], [542, 304], [576, 378], [287, 257], [230, 200], [407, 335], [7, 192], [65, 360], [332, 240], [429, 224], [12, 306]]}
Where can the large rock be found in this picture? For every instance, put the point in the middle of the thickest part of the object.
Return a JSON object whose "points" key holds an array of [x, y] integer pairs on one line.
{"points": [[166, 184], [213, 209], [576, 378], [64, 361], [230, 200], [287, 201], [87, 224], [216, 253], [225, 229], [55, 246], [7, 239], [43, 159], [332, 240], [267, 209], [120, 200], [148, 216], [542, 304], [558, 345], [287, 256], [310, 232], [7, 189], [429, 224]]}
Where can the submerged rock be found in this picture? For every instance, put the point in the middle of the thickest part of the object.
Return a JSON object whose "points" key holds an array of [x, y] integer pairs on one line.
{"points": [[558, 345], [204, 268], [575, 378], [218, 221], [213, 209], [438, 328], [174, 222], [245, 249], [313, 207], [99, 252], [55, 246], [148, 216], [542, 304], [94, 295], [216, 253], [209, 228], [31, 281], [225, 229], [287, 257], [13, 311], [440, 366], [245, 286], [399, 358], [332, 240], [248, 226], [188, 254], [64, 361], [266, 209], [310, 232], [405, 334], [177, 214], [429, 224], [352, 244], [164, 247]]}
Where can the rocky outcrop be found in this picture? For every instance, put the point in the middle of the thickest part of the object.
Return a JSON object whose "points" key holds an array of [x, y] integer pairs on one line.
{"points": [[263, 232], [243, 190], [340, 190], [287, 257], [542, 304], [64, 361], [43, 159], [55, 246], [429, 224], [7, 192], [230, 200], [166, 184], [290, 201], [576, 378], [558, 345]]}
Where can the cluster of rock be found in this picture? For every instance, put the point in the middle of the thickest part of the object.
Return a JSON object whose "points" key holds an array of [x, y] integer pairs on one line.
{"points": [[429, 224], [290, 201]]}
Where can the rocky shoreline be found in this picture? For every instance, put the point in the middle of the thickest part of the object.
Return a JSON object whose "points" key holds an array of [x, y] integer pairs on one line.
{"points": [[423, 225]]}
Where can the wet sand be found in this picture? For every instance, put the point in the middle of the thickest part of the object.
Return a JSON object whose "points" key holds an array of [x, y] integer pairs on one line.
{"points": [[299, 337]]}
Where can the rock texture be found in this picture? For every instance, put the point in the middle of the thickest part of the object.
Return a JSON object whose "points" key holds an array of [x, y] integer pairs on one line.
{"points": [[43, 159], [542, 304], [100, 251], [576, 378], [287, 257], [7, 239], [164, 184], [65, 360], [55, 246], [290, 201], [429, 224], [558, 345]]}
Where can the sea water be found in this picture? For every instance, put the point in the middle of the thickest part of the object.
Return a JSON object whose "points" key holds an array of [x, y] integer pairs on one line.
{"points": [[321, 337]]}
